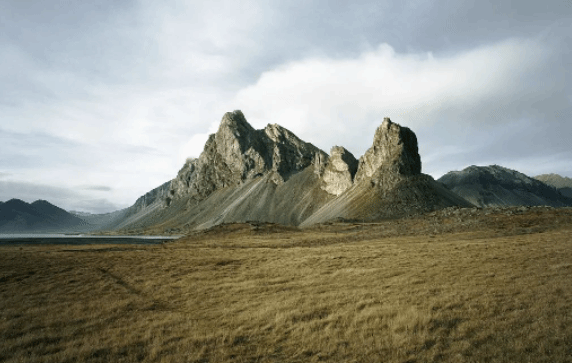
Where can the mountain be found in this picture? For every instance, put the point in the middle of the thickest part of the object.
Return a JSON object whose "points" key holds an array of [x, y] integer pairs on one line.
{"points": [[270, 175], [17, 216], [563, 184], [489, 186], [388, 182]]}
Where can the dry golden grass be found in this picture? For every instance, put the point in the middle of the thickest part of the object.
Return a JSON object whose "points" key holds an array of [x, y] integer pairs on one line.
{"points": [[417, 290]]}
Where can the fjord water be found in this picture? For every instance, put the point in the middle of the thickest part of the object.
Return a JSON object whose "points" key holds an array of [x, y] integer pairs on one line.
{"points": [[69, 239]]}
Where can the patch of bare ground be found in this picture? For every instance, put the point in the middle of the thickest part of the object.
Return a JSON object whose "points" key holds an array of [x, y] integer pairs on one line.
{"points": [[452, 286]]}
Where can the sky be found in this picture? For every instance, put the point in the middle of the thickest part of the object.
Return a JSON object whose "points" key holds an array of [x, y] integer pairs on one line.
{"points": [[102, 101]]}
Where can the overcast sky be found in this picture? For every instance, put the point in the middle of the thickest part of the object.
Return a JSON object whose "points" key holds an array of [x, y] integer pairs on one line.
{"points": [[101, 101]]}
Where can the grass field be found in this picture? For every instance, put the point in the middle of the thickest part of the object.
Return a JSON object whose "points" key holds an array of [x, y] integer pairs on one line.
{"points": [[451, 288]]}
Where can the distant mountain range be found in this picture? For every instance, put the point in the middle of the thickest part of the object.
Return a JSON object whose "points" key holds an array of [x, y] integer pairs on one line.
{"points": [[17, 216], [270, 175], [496, 186]]}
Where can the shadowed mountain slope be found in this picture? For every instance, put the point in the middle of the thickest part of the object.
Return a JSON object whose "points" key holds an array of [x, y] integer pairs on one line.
{"points": [[563, 184], [496, 186], [270, 175]]}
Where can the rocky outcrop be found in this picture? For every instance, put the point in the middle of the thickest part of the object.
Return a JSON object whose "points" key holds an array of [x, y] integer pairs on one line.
{"points": [[394, 153], [338, 175], [237, 153]]}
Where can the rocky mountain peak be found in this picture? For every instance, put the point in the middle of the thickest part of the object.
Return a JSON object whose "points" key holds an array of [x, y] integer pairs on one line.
{"points": [[234, 120], [233, 136], [238, 152], [394, 151]]}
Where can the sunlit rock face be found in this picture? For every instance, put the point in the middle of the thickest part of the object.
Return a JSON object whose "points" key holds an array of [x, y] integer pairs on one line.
{"points": [[339, 172], [237, 153], [393, 155]]}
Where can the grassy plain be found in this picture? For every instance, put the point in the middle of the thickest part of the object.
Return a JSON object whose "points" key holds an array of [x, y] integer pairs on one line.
{"points": [[448, 287]]}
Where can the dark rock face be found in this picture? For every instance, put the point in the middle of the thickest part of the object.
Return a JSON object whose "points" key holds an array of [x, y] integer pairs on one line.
{"points": [[394, 153], [237, 153], [496, 186], [338, 175]]}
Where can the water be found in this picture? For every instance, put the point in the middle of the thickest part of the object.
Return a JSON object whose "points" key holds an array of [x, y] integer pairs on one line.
{"points": [[70, 239]]}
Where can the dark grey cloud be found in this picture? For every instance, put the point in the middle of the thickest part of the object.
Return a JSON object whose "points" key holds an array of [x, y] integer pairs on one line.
{"points": [[493, 102], [339, 29], [99, 188], [139, 150]]}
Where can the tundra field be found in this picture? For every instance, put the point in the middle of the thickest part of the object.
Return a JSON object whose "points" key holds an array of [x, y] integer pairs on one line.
{"points": [[459, 285]]}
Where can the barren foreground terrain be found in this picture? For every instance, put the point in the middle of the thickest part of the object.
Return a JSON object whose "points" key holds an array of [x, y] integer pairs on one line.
{"points": [[452, 286]]}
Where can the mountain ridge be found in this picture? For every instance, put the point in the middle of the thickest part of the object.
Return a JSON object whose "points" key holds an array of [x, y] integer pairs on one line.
{"points": [[236, 153], [270, 175], [497, 186]]}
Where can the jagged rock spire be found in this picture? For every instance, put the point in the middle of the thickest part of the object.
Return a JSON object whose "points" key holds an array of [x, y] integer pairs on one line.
{"points": [[394, 151]]}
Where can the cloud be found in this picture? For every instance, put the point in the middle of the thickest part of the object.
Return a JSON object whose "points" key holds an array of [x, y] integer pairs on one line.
{"points": [[194, 147], [341, 101], [99, 188], [66, 198], [48, 161]]}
